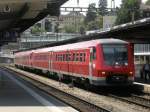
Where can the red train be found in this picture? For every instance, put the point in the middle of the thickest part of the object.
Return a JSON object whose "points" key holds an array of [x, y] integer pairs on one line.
{"points": [[97, 62]]}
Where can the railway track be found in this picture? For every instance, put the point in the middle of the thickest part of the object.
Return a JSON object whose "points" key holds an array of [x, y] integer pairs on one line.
{"points": [[83, 105], [73, 101], [134, 99]]}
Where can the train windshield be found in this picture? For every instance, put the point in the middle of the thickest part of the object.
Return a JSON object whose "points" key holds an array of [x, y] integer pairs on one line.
{"points": [[115, 55]]}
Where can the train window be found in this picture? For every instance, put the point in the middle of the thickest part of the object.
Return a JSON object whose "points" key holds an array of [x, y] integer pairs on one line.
{"points": [[64, 57], [77, 57], [81, 57], [56, 57], [73, 58], [61, 57], [84, 56], [69, 57]]}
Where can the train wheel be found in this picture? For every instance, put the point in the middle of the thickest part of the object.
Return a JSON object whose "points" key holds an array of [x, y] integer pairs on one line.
{"points": [[87, 84]]}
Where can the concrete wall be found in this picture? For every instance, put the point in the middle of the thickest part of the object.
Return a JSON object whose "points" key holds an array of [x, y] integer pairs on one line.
{"points": [[6, 60]]}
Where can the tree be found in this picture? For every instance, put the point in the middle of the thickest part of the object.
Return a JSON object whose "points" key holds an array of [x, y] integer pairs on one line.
{"points": [[148, 2], [82, 30], [69, 29], [129, 11], [37, 30], [93, 21], [93, 25], [91, 13], [102, 7]]}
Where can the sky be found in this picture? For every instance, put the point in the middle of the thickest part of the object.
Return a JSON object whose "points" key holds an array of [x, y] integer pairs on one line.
{"points": [[85, 3]]}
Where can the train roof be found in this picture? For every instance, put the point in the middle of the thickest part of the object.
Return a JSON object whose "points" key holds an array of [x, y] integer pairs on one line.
{"points": [[80, 45]]}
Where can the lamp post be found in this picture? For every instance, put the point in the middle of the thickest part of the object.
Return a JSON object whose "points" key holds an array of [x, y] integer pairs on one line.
{"points": [[57, 30], [133, 14]]}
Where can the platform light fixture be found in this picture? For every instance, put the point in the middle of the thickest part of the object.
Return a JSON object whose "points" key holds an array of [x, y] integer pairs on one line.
{"points": [[6, 8]]}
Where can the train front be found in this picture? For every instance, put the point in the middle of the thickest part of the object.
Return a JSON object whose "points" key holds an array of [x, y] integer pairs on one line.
{"points": [[115, 64]]}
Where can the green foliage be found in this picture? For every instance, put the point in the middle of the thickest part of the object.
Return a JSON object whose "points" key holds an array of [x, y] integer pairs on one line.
{"points": [[37, 30], [69, 29], [91, 14], [102, 7], [129, 8], [92, 20], [100, 21], [93, 25], [96, 24], [148, 2], [82, 30]]}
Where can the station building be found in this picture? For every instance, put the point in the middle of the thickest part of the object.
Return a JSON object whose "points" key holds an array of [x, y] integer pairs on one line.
{"points": [[141, 53]]}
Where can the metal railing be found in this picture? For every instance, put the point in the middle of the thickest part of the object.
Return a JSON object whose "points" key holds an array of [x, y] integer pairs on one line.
{"points": [[47, 37]]}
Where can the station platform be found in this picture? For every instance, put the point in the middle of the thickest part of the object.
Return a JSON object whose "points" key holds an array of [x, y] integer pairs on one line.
{"points": [[142, 80], [142, 83], [138, 76], [16, 95], [139, 79]]}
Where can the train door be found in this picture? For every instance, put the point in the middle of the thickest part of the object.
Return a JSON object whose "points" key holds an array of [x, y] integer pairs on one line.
{"points": [[50, 60], [68, 61], [31, 56], [91, 62]]}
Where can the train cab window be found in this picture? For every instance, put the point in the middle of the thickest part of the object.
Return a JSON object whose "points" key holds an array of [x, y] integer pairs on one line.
{"points": [[115, 54]]}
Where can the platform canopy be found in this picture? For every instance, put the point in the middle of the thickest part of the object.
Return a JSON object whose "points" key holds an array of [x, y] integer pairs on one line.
{"points": [[18, 15], [21, 14]]}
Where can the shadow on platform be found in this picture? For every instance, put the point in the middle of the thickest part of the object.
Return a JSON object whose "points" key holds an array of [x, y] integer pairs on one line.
{"points": [[11, 94], [142, 80]]}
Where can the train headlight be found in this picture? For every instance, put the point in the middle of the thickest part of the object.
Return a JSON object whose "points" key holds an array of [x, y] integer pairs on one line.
{"points": [[93, 65], [126, 64], [103, 73], [130, 73]]}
